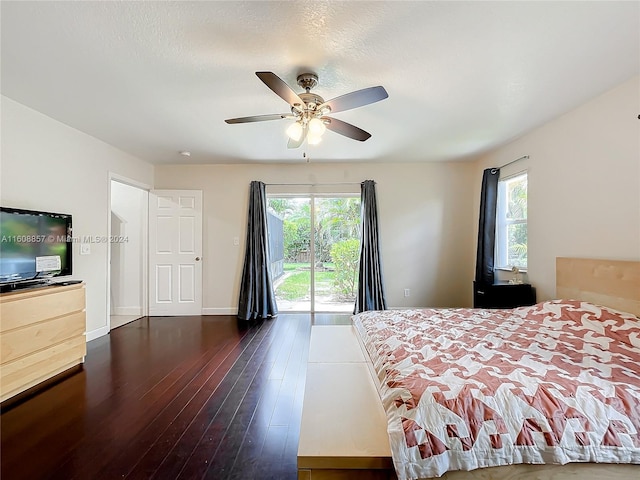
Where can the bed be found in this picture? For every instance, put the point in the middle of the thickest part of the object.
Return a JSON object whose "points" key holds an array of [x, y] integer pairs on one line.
{"points": [[556, 383]]}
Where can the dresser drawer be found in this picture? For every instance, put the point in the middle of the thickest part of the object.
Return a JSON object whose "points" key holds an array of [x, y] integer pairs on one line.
{"points": [[20, 310], [23, 341], [30, 370]]}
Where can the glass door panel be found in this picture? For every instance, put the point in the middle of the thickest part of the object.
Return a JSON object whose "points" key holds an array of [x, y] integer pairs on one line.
{"points": [[337, 251], [289, 222]]}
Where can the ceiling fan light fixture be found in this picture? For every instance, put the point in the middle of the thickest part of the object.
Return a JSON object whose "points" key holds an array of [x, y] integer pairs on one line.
{"points": [[316, 127], [295, 131], [313, 138]]}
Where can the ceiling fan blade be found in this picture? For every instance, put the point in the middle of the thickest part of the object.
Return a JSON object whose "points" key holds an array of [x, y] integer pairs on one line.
{"points": [[355, 99], [259, 118], [296, 143], [280, 88], [346, 129]]}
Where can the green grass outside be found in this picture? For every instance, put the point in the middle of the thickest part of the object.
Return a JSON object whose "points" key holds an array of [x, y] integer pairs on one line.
{"points": [[288, 267], [296, 286]]}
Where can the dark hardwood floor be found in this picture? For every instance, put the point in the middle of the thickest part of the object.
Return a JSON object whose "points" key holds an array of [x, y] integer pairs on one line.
{"points": [[168, 398]]}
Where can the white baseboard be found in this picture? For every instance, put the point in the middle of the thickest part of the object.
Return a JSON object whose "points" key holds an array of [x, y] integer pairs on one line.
{"points": [[99, 332], [219, 311], [126, 311]]}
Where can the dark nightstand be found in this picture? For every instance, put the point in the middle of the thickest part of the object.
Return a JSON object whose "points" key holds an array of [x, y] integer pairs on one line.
{"points": [[503, 295]]}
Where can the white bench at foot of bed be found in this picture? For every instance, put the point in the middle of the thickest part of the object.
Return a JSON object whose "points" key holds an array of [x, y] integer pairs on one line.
{"points": [[343, 434]]}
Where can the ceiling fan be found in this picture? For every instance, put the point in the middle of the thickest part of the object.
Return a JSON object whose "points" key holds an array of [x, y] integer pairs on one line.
{"points": [[310, 110]]}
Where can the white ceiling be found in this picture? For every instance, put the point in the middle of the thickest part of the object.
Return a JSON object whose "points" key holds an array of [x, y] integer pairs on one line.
{"points": [[154, 78]]}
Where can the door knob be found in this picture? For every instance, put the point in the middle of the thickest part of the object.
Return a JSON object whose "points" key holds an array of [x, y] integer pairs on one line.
{"points": [[197, 259]]}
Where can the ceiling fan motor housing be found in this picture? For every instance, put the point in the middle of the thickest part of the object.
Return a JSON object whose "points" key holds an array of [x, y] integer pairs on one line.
{"points": [[311, 100]]}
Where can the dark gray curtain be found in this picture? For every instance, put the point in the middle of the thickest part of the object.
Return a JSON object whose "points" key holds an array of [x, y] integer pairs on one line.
{"points": [[370, 288], [256, 290], [487, 226]]}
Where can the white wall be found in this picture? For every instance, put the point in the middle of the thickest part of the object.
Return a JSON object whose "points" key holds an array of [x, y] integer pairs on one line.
{"points": [[128, 228], [47, 165], [424, 213], [584, 184]]}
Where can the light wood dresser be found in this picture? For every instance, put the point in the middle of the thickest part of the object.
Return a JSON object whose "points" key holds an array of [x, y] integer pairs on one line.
{"points": [[42, 334]]}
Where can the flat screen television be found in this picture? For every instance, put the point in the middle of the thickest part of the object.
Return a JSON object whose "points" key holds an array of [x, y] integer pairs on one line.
{"points": [[34, 246]]}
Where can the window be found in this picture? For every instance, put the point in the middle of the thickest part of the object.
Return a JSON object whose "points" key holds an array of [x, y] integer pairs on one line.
{"points": [[511, 222]]}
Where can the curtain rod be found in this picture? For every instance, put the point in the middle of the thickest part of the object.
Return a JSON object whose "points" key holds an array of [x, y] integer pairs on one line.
{"points": [[514, 161], [311, 184]]}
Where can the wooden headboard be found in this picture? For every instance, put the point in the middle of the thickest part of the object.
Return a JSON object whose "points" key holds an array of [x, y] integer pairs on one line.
{"points": [[612, 283]]}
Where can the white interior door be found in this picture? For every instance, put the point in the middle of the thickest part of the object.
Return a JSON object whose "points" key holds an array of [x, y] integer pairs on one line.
{"points": [[175, 252]]}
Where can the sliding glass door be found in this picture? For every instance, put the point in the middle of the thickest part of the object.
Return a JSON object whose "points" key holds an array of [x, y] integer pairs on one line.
{"points": [[314, 243]]}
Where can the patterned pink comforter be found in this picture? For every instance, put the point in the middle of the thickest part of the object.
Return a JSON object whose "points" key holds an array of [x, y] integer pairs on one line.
{"points": [[557, 382]]}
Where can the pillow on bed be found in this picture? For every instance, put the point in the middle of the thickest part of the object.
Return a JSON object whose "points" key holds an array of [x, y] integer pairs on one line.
{"points": [[621, 326]]}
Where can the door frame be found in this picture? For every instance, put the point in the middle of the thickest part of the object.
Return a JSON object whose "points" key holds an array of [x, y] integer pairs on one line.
{"points": [[144, 287]]}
